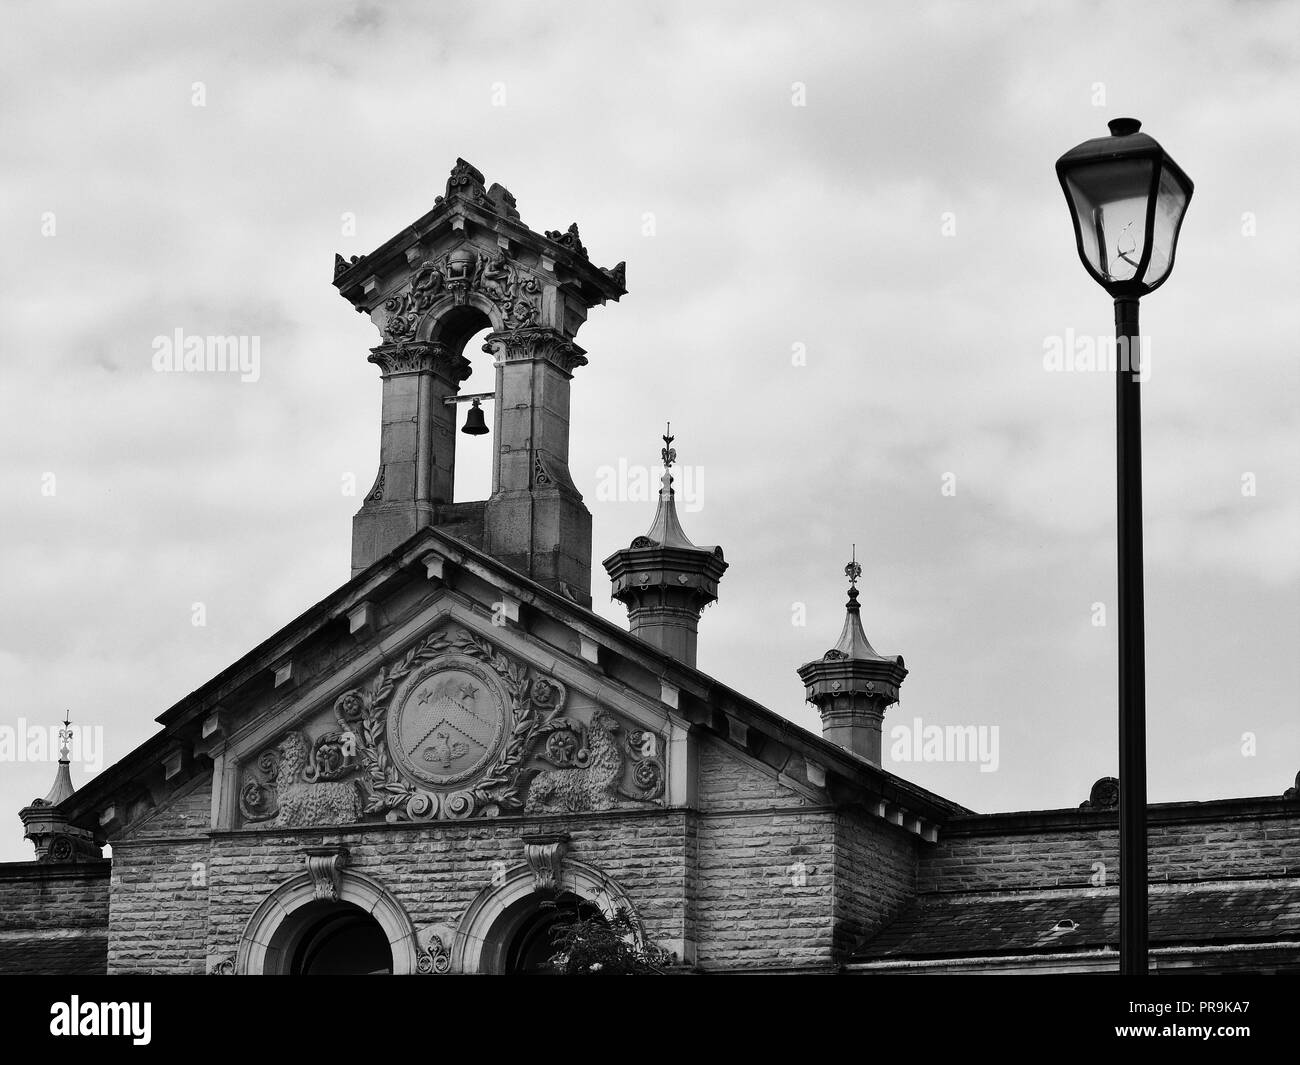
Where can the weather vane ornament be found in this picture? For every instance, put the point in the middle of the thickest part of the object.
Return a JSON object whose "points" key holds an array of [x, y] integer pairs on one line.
{"points": [[65, 735], [854, 569], [669, 453]]}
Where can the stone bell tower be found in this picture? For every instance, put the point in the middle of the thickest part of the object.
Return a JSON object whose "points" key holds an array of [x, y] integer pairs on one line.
{"points": [[467, 265], [852, 684]]}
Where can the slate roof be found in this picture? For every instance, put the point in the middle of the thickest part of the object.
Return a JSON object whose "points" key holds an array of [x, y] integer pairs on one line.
{"points": [[998, 924], [54, 953]]}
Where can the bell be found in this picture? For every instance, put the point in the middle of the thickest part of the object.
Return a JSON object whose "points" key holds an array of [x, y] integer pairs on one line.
{"points": [[474, 423]]}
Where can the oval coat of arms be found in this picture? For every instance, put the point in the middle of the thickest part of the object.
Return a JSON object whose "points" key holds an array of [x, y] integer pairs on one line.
{"points": [[447, 722]]}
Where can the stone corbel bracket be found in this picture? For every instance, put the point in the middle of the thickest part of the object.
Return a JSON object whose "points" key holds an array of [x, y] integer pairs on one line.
{"points": [[325, 864], [545, 857]]}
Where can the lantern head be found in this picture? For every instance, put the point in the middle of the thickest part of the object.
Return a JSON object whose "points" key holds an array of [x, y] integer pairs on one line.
{"points": [[1127, 199]]}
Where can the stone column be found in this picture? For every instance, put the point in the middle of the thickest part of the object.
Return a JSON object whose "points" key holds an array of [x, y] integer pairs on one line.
{"points": [[417, 446], [535, 520]]}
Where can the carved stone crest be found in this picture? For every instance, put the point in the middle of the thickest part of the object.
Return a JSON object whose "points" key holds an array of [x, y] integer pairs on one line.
{"points": [[447, 721]]}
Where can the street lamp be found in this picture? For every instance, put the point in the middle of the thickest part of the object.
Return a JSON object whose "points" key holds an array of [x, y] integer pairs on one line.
{"points": [[1127, 200]]}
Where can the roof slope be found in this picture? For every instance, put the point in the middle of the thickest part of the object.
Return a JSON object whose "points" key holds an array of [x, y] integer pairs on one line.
{"points": [[1001, 924]]}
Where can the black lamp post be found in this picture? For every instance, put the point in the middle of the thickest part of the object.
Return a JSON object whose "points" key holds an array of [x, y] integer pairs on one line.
{"points": [[1127, 199]]}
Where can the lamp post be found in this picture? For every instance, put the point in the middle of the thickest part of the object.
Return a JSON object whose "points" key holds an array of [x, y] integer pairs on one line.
{"points": [[1127, 200]]}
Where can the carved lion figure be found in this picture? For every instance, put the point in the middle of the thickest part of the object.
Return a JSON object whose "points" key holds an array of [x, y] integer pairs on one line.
{"points": [[591, 787], [303, 803]]}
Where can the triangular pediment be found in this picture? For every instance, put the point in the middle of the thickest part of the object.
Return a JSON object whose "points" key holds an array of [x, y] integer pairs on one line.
{"points": [[453, 717]]}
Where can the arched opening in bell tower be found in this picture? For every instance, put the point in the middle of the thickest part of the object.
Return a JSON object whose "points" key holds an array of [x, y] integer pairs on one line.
{"points": [[463, 331]]}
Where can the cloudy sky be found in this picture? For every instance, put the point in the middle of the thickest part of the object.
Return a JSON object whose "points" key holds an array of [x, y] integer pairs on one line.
{"points": [[869, 185]]}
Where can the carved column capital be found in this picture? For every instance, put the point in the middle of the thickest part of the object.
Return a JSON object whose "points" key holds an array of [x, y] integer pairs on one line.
{"points": [[325, 864], [526, 345], [419, 356], [545, 856]]}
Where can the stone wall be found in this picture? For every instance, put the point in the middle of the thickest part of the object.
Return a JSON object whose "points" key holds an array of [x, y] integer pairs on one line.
{"points": [[1187, 841], [434, 871], [53, 917], [765, 874], [875, 877], [761, 876], [158, 911]]}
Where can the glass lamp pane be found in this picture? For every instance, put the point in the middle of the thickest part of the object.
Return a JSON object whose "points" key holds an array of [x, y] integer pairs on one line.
{"points": [[1171, 202], [1110, 202]]}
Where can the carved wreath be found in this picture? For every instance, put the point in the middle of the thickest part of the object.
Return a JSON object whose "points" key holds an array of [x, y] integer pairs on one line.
{"points": [[535, 705]]}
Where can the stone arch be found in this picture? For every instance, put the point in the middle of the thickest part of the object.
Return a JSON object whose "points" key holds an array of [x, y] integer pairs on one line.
{"points": [[451, 321], [262, 946], [461, 328], [482, 934]]}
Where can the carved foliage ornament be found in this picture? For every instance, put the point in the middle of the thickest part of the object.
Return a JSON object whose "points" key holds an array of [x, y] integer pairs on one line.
{"points": [[434, 958], [568, 239], [539, 343], [597, 767], [419, 357], [514, 290]]}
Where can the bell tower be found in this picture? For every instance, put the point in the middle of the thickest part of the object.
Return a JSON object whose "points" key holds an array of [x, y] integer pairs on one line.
{"points": [[467, 265]]}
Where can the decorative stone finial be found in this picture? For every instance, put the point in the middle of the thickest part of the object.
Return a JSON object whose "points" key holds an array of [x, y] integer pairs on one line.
{"points": [[1103, 796], [663, 578], [54, 838], [852, 684]]}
